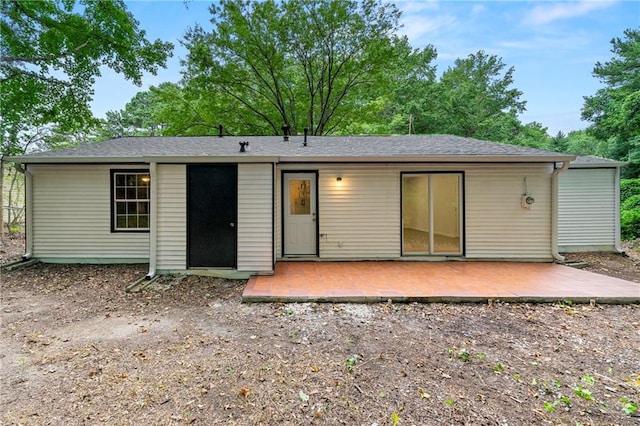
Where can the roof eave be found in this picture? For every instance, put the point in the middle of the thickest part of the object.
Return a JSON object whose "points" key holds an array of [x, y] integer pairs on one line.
{"points": [[204, 158], [142, 159], [72, 160], [299, 159], [598, 165], [430, 159]]}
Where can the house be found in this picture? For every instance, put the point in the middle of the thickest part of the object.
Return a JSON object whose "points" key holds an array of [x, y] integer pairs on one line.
{"points": [[187, 204], [589, 207]]}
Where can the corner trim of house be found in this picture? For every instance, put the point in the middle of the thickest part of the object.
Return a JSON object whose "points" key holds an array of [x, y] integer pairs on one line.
{"points": [[153, 232]]}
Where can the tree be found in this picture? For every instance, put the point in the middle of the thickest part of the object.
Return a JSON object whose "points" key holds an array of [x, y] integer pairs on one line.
{"points": [[615, 109], [475, 99], [138, 118], [559, 143], [304, 63], [582, 142], [51, 52], [533, 135]]}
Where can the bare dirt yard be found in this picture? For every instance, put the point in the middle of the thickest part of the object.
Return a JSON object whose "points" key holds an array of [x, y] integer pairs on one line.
{"points": [[75, 348]]}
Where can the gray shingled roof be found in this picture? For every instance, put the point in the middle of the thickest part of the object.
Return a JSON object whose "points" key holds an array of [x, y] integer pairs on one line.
{"points": [[320, 148], [587, 161]]}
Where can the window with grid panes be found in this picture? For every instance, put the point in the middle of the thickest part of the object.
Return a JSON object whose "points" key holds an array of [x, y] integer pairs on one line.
{"points": [[131, 207]]}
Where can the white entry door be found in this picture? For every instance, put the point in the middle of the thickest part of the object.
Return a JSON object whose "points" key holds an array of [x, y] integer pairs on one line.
{"points": [[299, 212]]}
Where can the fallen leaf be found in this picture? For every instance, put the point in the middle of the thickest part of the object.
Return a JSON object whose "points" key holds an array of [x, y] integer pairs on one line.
{"points": [[303, 396]]}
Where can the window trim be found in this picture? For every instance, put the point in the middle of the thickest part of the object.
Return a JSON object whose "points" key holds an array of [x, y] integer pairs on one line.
{"points": [[112, 201]]}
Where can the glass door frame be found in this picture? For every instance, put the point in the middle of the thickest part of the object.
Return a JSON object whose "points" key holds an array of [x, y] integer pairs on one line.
{"points": [[431, 209]]}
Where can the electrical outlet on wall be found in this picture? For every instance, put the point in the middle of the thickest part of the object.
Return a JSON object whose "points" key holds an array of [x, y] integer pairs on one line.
{"points": [[526, 200]]}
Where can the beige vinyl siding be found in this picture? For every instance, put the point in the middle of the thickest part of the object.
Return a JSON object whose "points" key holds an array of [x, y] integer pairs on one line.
{"points": [[360, 217], [255, 217], [72, 217], [172, 217], [497, 226], [587, 210]]}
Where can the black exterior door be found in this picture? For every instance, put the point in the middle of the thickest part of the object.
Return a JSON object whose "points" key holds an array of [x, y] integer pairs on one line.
{"points": [[212, 199]]}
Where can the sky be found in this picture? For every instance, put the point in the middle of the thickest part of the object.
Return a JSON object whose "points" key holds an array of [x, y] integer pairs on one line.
{"points": [[553, 46]]}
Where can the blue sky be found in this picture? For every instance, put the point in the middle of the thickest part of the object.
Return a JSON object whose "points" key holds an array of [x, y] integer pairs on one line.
{"points": [[552, 45]]}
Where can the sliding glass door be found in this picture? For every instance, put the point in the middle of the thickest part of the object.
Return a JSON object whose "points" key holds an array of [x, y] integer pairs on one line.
{"points": [[431, 213]]}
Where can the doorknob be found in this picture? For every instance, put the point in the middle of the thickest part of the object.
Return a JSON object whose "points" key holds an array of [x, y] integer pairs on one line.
{"points": [[232, 224]]}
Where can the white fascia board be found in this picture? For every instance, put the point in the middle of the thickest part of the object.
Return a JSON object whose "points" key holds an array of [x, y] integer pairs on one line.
{"points": [[211, 159], [299, 159], [74, 160], [142, 159], [432, 159], [603, 165]]}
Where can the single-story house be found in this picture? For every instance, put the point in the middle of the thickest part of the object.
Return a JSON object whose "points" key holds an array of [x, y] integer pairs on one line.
{"points": [[184, 204]]}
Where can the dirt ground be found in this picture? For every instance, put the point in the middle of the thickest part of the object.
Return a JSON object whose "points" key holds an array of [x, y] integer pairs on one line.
{"points": [[77, 349]]}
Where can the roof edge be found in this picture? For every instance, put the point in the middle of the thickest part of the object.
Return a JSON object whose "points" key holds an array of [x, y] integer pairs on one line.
{"points": [[310, 159]]}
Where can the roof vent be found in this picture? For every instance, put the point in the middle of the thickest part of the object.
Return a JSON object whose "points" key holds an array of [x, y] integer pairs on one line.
{"points": [[244, 146], [220, 128], [286, 132], [306, 131]]}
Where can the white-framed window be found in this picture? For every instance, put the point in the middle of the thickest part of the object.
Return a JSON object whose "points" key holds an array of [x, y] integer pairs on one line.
{"points": [[131, 192]]}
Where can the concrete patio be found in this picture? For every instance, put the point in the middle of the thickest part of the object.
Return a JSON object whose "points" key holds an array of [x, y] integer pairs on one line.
{"points": [[436, 282]]}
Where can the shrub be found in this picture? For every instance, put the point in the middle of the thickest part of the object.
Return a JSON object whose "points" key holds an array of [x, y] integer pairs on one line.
{"points": [[630, 208], [631, 203], [628, 188], [630, 224]]}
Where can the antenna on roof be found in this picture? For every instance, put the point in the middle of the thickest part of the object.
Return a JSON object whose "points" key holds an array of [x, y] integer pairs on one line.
{"points": [[220, 128], [306, 131], [286, 132]]}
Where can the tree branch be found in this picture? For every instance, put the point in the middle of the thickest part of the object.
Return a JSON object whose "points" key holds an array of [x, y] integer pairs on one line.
{"points": [[37, 59]]}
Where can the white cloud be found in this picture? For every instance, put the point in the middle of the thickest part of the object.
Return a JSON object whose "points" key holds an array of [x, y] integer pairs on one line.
{"points": [[555, 11], [478, 9], [422, 30], [411, 7]]}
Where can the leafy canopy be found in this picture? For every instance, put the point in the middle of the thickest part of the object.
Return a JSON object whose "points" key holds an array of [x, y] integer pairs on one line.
{"points": [[615, 109], [304, 63], [51, 51]]}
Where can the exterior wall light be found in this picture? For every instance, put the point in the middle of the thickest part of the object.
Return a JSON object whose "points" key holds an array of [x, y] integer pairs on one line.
{"points": [[339, 179]]}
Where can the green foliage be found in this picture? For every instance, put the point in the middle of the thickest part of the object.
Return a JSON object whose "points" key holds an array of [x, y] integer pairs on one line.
{"points": [[306, 63], [581, 142], [351, 362], [559, 143], [588, 379], [631, 203], [630, 208], [533, 135], [473, 98], [629, 407], [583, 393], [628, 188], [52, 52], [615, 109], [630, 224]]}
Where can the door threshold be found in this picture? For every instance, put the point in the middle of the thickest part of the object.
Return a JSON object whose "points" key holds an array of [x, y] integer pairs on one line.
{"points": [[300, 258]]}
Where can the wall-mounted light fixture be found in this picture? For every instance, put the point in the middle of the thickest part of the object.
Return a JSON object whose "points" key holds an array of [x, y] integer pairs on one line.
{"points": [[339, 179]]}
